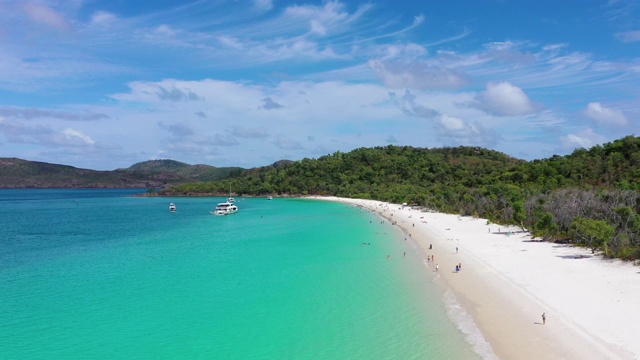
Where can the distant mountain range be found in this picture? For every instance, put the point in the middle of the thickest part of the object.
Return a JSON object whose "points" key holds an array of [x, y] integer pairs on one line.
{"points": [[19, 173]]}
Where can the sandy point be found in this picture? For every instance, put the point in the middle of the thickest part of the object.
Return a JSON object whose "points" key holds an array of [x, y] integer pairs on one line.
{"points": [[506, 280]]}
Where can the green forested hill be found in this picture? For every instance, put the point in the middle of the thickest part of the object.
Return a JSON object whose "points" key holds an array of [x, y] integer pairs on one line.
{"points": [[185, 172], [159, 165], [589, 197], [18, 173]]}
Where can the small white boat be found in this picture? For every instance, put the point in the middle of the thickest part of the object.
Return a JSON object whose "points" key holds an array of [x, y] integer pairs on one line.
{"points": [[225, 208], [270, 197], [172, 207]]}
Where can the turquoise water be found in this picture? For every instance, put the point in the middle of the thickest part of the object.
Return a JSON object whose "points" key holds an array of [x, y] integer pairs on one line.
{"points": [[98, 274]]}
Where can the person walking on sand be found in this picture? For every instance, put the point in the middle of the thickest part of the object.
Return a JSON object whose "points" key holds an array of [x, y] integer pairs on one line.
{"points": [[456, 249], [544, 318], [437, 267]]}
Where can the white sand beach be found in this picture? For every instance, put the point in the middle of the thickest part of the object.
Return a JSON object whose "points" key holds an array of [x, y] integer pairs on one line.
{"points": [[507, 280]]}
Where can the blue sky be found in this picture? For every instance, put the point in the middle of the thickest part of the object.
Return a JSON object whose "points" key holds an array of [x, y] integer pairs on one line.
{"points": [[105, 84]]}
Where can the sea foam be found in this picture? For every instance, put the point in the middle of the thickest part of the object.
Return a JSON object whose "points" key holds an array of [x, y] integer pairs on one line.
{"points": [[464, 322]]}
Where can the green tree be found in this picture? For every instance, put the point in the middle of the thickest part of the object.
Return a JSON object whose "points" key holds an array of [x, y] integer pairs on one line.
{"points": [[592, 233], [546, 226]]}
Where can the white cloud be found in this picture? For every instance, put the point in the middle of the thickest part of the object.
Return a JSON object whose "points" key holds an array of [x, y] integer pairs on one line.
{"points": [[35, 113], [407, 103], [604, 115], [401, 52], [318, 28], [103, 18], [582, 139], [554, 47], [73, 136], [224, 140], [230, 42], [42, 14], [249, 133], [508, 52], [165, 30], [263, 5], [457, 131], [46, 136], [285, 143], [504, 99], [178, 130], [452, 124], [331, 12], [416, 75], [628, 36]]}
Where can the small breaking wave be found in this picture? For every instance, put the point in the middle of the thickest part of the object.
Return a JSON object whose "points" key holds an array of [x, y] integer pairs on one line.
{"points": [[468, 327]]}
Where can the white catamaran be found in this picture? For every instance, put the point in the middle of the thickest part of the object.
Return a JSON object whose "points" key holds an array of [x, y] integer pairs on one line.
{"points": [[226, 208]]}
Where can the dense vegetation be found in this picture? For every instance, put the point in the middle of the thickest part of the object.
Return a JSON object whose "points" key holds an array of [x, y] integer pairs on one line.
{"points": [[589, 197], [18, 173]]}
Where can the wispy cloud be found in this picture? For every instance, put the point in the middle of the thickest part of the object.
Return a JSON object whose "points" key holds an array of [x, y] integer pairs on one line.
{"points": [[178, 130], [582, 139], [249, 133], [417, 75], [628, 36], [285, 143], [458, 131], [264, 5], [44, 15], [604, 115], [37, 113], [19, 133]]}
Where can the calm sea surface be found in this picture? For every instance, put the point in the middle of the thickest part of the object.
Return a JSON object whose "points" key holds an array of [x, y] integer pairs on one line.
{"points": [[99, 274]]}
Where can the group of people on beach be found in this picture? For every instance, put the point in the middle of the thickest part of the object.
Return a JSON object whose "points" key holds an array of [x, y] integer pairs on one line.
{"points": [[431, 257]]}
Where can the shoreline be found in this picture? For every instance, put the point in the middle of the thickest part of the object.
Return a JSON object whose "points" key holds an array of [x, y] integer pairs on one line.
{"points": [[508, 280]]}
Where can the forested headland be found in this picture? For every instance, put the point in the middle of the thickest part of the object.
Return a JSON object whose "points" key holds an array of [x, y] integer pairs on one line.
{"points": [[589, 197], [22, 174]]}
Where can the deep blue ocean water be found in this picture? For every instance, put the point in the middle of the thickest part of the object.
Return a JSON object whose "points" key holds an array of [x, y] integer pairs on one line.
{"points": [[101, 274]]}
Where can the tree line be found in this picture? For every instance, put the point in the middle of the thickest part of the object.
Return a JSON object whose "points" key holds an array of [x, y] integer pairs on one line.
{"points": [[589, 197]]}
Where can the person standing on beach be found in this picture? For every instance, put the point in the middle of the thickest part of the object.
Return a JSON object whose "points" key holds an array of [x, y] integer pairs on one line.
{"points": [[437, 267], [544, 318]]}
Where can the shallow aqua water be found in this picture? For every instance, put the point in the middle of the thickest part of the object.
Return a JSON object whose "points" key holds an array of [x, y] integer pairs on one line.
{"points": [[102, 275]]}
